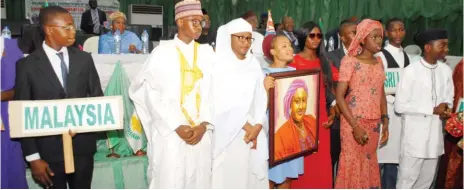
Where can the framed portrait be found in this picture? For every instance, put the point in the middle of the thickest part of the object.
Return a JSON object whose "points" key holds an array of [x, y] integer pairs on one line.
{"points": [[293, 115]]}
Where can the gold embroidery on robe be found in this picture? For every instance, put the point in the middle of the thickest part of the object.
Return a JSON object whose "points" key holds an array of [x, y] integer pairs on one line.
{"points": [[189, 77]]}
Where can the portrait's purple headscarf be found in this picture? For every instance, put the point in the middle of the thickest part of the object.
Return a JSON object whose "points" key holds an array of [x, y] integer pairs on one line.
{"points": [[296, 84]]}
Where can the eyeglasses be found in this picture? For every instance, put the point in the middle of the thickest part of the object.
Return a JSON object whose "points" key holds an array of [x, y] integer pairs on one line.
{"points": [[244, 39], [197, 22], [314, 35], [67, 27]]}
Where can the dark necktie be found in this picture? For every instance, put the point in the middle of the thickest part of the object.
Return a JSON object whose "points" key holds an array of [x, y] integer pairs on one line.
{"points": [[64, 70]]}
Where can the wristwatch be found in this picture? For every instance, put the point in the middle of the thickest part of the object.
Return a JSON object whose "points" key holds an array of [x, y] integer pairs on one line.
{"points": [[385, 117]]}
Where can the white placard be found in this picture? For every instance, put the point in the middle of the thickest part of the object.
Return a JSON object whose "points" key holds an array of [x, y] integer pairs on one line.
{"points": [[54, 117], [393, 76]]}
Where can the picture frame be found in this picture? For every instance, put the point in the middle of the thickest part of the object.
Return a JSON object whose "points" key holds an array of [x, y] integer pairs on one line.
{"points": [[293, 134]]}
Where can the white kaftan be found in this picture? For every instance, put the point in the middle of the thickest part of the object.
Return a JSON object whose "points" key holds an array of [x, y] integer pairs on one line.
{"points": [[422, 87], [238, 97], [156, 93]]}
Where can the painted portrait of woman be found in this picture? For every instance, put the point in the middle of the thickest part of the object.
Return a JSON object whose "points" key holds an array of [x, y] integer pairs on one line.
{"points": [[299, 132]]}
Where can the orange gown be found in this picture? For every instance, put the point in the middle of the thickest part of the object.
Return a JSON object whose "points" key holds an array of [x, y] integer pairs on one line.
{"points": [[287, 140]]}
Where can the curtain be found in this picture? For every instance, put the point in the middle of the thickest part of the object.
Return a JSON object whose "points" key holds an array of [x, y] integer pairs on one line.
{"points": [[418, 15], [15, 9]]}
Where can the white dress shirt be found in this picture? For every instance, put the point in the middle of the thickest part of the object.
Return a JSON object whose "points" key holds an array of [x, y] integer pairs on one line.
{"points": [[56, 65]]}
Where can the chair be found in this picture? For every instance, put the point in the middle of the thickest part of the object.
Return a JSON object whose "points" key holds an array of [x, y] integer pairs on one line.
{"points": [[91, 44]]}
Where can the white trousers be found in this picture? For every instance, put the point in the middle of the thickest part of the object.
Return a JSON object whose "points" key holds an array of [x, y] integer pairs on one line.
{"points": [[416, 173], [232, 169], [173, 164]]}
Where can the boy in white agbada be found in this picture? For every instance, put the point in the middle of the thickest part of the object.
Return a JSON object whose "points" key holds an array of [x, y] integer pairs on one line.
{"points": [[392, 56], [171, 97], [240, 150], [424, 97]]}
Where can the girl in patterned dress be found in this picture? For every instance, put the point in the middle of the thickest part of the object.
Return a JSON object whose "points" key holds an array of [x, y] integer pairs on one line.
{"points": [[361, 98]]}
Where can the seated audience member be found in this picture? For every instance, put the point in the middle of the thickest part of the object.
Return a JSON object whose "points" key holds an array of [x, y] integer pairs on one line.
{"points": [[130, 42]]}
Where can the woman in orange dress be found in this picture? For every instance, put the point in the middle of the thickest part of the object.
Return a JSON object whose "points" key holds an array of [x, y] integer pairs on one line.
{"points": [[318, 166], [361, 79]]}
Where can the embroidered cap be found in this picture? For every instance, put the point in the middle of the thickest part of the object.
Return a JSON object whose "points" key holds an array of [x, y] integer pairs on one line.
{"points": [[188, 8]]}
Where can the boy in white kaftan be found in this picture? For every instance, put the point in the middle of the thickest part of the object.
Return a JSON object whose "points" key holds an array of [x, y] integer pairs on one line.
{"points": [[424, 97], [172, 98], [239, 109]]}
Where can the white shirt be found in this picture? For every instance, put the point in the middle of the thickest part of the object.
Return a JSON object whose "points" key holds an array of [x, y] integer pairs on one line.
{"points": [[344, 49], [56, 65], [423, 87], [186, 49]]}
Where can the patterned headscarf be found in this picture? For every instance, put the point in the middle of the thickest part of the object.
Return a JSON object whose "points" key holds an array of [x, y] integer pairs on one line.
{"points": [[362, 31], [296, 84]]}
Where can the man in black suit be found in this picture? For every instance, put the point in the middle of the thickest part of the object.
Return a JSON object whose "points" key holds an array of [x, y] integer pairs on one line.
{"points": [[347, 33], [288, 31], [333, 37], [58, 71], [92, 19]]}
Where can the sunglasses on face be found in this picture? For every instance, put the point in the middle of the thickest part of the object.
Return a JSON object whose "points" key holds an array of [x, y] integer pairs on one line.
{"points": [[314, 35], [244, 38]]}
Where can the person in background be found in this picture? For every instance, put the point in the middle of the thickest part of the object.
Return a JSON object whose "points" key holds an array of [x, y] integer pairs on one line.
{"points": [[240, 151], [172, 98], [92, 19], [57, 71], [263, 23], [257, 43], [333, 37], [13, 167], [361, 99], [279, 50], [130, 42], [288, 27], [279, 28], [208, 36], [392, 56], [347, 33], [309, 40], [424, 98], [450, 169]]}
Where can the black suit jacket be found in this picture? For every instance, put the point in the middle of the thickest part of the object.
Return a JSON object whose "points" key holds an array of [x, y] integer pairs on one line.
{"points": [[332, 40], [36, 80], [87, 22]]}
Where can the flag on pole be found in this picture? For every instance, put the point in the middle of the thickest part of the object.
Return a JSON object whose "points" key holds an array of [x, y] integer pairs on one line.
{"points": [[132, 139], [270, 24]]}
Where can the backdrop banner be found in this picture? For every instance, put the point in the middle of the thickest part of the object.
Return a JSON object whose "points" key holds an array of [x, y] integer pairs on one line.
{"points": [[75, 7]]}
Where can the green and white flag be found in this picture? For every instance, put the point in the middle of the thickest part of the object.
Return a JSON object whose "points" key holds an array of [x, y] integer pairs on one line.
{"points": [[132, 139]]}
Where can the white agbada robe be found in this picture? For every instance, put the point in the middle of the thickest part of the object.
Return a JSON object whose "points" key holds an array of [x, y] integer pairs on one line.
{"points": [[422, 87], [390, 152], [238, 97], [156, 93]]}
